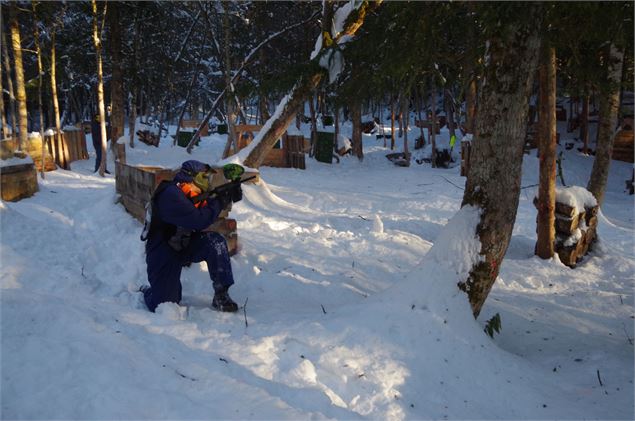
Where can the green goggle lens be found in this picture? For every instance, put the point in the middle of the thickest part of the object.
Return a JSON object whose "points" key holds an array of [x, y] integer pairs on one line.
{"points": [[201, 180]]}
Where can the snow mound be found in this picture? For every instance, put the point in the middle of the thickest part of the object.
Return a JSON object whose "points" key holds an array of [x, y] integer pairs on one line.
{"points": [[576, 196]]}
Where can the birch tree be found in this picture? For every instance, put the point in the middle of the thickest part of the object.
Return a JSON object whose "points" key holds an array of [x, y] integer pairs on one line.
{"points": [[609, 105]]}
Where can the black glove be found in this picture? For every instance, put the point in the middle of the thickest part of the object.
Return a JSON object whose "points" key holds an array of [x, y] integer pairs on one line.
{"points": [[224, 199], [236, 193]]}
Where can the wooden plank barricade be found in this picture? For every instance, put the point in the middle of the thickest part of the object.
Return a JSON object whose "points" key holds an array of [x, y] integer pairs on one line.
{"points": [[136, 183], [291, 154]]}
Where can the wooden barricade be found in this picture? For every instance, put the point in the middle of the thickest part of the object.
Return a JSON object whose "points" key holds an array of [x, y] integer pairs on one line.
{"points": [[18, 181], [623, 146], [194, 124], [136, 183], [291, 154], [70, 147]]}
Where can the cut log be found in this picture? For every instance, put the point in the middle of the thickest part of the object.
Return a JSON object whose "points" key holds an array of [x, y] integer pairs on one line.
{"points": [[566, 226], [565, 210]]}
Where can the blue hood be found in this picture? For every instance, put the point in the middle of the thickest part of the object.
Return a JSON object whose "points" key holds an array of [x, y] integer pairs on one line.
{"points": [[189, 169]]}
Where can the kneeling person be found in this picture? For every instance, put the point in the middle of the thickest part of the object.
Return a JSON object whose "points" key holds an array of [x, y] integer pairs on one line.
{"points": [[175, 238]]}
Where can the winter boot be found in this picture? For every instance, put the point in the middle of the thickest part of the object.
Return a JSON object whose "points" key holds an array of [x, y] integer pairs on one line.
{"points": [[223, 302]]}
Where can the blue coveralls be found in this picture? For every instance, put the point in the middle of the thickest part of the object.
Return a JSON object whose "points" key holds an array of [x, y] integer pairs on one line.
{"points": [[164, 264]]}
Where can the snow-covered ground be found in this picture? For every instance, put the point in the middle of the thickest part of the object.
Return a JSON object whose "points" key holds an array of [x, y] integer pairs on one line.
{"points": [[348, 277]]}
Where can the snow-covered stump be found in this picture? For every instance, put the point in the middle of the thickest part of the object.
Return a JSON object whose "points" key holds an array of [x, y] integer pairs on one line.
{"points": [[575, 223], [18, 179]]}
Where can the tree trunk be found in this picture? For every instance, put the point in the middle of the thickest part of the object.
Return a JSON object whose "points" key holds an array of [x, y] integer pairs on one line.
{"points": [[134, 89], [356, 117], [584, 124], [65, 158], [546, 204], [100, 89], [433, 122], [117, 117], [392, 122], [449, 111], [493, 182], [470, 101], [40, 71], [231, 104], [19, 75], [7, 69], [313, 125], [5, 128], [609, 106], [405, 121], [336, 125]]}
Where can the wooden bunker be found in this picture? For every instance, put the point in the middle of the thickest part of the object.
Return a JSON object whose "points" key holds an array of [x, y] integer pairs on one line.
{"points": [[136, 183], [18, 179], [290, 154]]}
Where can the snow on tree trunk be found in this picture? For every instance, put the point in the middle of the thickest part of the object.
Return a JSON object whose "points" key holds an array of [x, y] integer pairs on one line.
{"points": [[100, 90], [493, 182], [19, 75], [547, 148], [609, 105]]}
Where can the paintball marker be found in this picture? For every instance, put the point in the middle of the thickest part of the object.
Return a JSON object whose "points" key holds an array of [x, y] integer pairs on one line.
{"points": [[231, 172]]}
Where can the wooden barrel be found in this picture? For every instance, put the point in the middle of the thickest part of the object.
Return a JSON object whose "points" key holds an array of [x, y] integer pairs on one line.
{"points": [[18, 181]]}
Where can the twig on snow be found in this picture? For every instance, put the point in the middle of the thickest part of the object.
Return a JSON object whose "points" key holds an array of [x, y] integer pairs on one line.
{"points": [[245, 312]]}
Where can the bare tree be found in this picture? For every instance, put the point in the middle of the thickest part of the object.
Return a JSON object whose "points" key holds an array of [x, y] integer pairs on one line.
{"points": [[19, 74], [7, 69], [40, 71], [116, 81], [546, 203], [100, 84], [609, 104]]}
